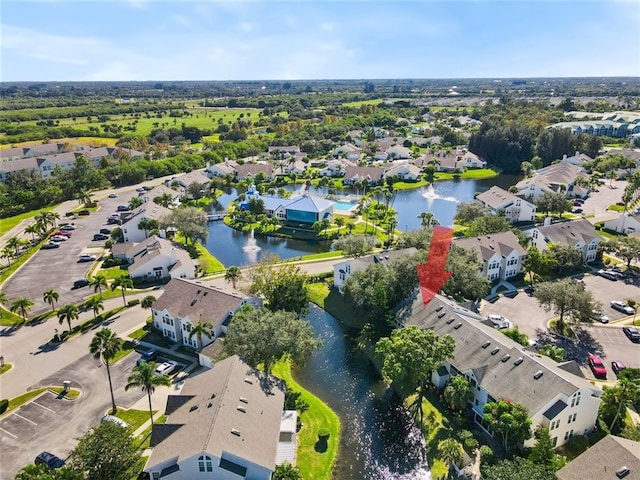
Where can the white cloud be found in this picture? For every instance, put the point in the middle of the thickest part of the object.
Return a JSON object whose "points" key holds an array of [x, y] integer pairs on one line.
{"points": [[181, 20]]}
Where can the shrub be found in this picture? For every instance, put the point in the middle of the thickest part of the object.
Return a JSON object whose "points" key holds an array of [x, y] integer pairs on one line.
{"points": [[4, 404], [323, 433], [112, 261], [133, 303]]}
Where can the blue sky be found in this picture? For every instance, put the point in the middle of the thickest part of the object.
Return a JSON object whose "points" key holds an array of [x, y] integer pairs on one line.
{"points": [[316, 39]]}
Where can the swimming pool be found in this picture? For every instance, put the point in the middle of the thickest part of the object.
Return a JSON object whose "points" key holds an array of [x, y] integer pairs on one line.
{"points": [[344, 206]]}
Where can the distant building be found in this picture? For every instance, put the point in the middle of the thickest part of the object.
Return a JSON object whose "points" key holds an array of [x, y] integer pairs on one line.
{"points": [[556, 178], [343, 270], [627, 223], [305, 209], [515, 209], [501, 254], [131, 231], [579, 234], [372, 175]]}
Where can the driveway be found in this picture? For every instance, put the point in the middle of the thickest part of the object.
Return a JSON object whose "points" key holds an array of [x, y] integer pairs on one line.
{"points": [[58, 268]]}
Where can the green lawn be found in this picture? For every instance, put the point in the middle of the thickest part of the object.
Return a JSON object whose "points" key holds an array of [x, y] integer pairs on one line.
{"points": [[110, 273], [145, 436], [7, 224], [474, 173], [20, 400], [5, 368], [322, 256], [127, 348], [314, 461], [410, 185], [133, 417]]}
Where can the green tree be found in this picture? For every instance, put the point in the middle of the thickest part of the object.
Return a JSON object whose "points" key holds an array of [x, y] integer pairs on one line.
{"points": [[543, 451], [164, 200], [458, 393], [563, 259], [282, 286], [147, 302], [536, 264], [98, 283], [555, 202], [354, 245], [556, 353], [263, 337], [145, 377], [135, 202], [616, 400], [14, 243], [409, 356], [22, 305], [286, 471], [450, 451], [68, 313], [51, 297], [488, 223], [104, 346], [201, 330], [96, 304], [106, 452], [233, 275], [627, 248], [566, 298], [192, 222], [339, 221], [123, 282], [43, 472], [148, 225], [466, 281], [467, 212], [516, 469], [517, 336], [510, 421], [428, 219]]}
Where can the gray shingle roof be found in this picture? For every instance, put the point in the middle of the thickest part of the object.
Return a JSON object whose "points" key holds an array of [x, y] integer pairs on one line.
{"points": [[203, 419], [570, 233], [497, 198], [495, 363], [602, 460], [502, 243]]}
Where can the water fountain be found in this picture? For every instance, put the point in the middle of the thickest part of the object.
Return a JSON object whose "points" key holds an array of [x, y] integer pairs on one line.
{"points": [[430, 194], [251, 248]]}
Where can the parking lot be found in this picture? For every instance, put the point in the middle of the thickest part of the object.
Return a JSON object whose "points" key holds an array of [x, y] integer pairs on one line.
{"points": [[58, 268]]}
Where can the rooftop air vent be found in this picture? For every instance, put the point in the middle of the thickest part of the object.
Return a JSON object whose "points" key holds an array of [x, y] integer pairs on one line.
{"points": [[518, 361], [248, 380], [193, 302], [441, 314], [236, 432], [457, 326], [439, 308], [210, 405], [495, 350], [242, 409], [193, 407], [537, 375], [506, 357], [486, 344], [213, 395], [450, 321], [622, 472], [244, 400]]}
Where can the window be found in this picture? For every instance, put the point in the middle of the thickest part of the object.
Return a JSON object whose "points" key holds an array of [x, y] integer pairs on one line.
{"points": [[155, 476], [205, 464], [554, 441], [554, 424], [575, 401], [572, 418], [568, 435]]}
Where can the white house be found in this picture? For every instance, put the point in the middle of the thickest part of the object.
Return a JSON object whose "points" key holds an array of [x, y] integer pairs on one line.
{"points": [[578, 159], [228, 167], [131, 231], [403, 171], [557, 177], [250, 170], [626, 223], [515, 209], [343, 270], [160, 190], [348, 151], [155, 258], [470, 160], [297, 167], [500, 253], [554, 394], [372, 175], [184, 303], [333, 168], [224, 424], [580, 234], [398, 152]]}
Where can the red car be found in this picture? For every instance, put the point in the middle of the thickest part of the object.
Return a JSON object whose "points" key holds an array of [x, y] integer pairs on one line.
{"points": [[64, 233], [597, 366]]}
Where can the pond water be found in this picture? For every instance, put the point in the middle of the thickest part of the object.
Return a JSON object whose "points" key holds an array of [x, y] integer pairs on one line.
{"points": [[379, 440], [441, 198]]}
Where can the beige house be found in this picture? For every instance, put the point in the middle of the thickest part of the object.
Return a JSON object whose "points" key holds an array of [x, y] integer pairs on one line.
{"points": [[579, 234], [515, 209], [501, 254]]}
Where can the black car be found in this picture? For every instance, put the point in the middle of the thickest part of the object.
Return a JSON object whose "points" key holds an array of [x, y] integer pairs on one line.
{"points": [[49, 459], [105, 231], [632, 334], [82, 282], [148, 356], [100, 236], [529, 289], [49, 245]]}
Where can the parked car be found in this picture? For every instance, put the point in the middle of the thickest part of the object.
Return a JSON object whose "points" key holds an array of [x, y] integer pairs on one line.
{"points": [[105, 231], [50, 245], [608, 274], [499, 321], [148, 356], [113, 195], [68, 226], [146, 188], [632, 334], [58, 238], [577, 210], [116, 420], [82, 282], [113, 221], [100, 236], [64, 233], [617, 366], [166, 368], [84, 213], [597, 367], [49, 459], [529, 289], [123, 208], [622, 307], [599, 316], [87, 257]]}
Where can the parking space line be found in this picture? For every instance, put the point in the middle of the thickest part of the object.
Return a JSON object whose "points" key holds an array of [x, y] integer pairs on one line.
{"points": [[26, 419], [8, 433], [46, 408]]}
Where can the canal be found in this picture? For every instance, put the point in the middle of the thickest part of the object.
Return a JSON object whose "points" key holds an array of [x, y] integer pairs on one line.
{"points": [[379, 440]]}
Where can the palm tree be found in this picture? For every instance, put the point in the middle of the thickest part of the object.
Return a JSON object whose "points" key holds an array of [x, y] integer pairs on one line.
{"points": [[340, 223], [14, 243], [68, 313], [123, 282], [98, 282], [145, 377], [450, 451], [148, 225], [147, 302], [51, 297], [7, 252], [428, 219], [104, 346], [135, 202], [32, 229], [201, 329], [165, 200], [23, 305], [233, 274], [96, 304]]}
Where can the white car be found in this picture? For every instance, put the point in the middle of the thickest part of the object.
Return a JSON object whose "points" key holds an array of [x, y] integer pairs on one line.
{"points": [[87, 257], [499, 321], [622, 307], [601, 317], [58, 238], [165, 368], [68, 226], [113, 195]]}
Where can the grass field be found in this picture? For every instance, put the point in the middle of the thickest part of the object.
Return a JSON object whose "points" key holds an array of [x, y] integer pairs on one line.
{"points": [[135, 418], [315, 460], [7, 224], [95, 141]]}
